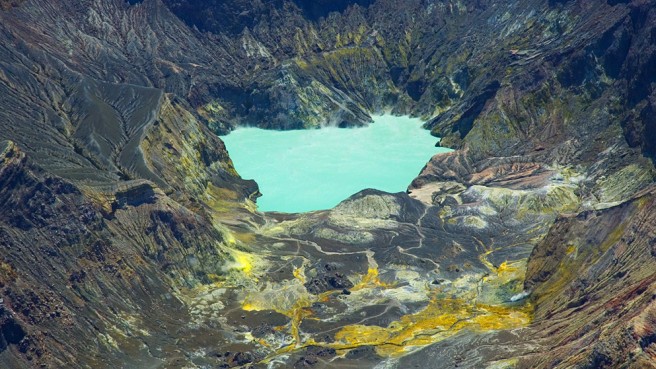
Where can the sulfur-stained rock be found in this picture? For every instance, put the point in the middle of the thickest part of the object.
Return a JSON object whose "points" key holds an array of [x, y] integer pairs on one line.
{"points": [[128, 239]]}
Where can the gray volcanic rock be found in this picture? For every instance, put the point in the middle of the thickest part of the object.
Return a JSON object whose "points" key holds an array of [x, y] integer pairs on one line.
{"points": [[593, 283], [110, 124], [72, 273], [127, 238]]}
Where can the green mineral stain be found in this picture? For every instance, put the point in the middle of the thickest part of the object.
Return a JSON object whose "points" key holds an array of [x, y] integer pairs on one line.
{"points": [[307, 170]]}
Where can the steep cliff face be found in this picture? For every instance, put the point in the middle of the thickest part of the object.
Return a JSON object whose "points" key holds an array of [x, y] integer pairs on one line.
{"points": [[105, 187], [93, 267], [84, 285], [593, 282], [128, 239], [511, 77], [478, 68]]}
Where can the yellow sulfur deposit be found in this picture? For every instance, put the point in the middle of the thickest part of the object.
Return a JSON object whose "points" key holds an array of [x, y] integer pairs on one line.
{"points": [[370, 280], [243, 262], [441, 319]]}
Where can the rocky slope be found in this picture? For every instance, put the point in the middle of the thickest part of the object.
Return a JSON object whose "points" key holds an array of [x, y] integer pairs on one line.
{"points": [[593, 282], [127, 239]]}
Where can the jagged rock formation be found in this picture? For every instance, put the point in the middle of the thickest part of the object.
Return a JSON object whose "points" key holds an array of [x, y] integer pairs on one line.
{"points": [[128, 239]]}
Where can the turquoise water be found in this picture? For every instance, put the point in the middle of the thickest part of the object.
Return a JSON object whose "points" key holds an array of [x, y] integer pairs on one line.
{"points": [[306, 170]]}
